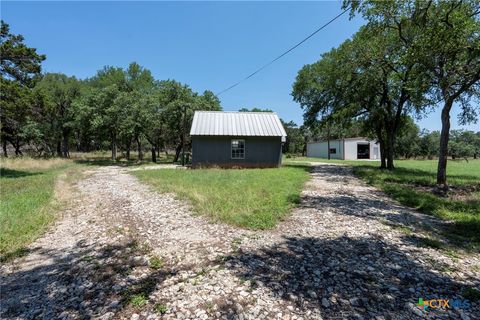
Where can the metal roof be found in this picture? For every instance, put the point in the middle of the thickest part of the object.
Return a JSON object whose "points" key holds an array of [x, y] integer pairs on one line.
{"points": [[225, 123]]}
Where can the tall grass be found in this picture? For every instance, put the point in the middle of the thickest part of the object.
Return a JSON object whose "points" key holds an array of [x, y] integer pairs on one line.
{"points": [[27, 207], [249, 198]]}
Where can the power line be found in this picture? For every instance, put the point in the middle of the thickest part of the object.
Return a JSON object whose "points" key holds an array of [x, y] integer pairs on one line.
{"points": [[283, 54]]}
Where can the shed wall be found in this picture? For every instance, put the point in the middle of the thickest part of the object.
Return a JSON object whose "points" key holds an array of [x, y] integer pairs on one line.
{"points": [[346, 149], [320, 149], [216, 150], [351, 148]]}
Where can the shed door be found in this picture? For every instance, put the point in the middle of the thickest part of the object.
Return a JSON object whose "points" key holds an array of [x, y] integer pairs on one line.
{"points": [[363, 151]]}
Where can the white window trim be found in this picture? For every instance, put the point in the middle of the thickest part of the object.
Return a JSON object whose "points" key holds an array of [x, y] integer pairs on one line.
{"points": [[231, 149]]}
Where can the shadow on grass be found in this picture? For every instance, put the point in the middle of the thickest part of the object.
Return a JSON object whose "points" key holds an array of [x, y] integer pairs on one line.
{"points": [[407, 175], [108, 162], [458, 220], [12, 174], [121, 163], [82, 282], [345, 277], [301, 165], [17, 253]]}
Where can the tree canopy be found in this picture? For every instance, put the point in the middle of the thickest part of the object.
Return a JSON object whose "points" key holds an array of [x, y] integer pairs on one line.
{"points": [[445, 45], [20, 68], [410, 56]]}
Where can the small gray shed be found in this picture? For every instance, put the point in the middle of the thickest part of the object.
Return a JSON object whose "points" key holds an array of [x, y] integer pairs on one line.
{"points": [[237, 139], [346, 149]]}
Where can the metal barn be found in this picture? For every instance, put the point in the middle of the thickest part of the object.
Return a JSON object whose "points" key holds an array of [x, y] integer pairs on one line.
{"points": [[237, 139], [345, 149]]}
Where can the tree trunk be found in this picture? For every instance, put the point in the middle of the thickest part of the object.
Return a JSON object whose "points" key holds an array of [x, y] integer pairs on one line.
{"points": [[154, 154], [328, 148], [59, 148], [381, 142], [17, 146], [139, 149], [328, 141], [383, 156], [128, 147], [390, 149], [4, 147], [114, 150], [304, 148], [444, 137], [65, 151], [178, 149]]}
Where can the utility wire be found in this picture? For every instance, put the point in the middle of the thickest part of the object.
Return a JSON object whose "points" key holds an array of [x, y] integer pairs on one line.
{"points": [[283, 54]]}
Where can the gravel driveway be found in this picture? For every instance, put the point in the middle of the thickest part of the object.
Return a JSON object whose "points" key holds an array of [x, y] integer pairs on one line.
{"points": [[122, 250]]}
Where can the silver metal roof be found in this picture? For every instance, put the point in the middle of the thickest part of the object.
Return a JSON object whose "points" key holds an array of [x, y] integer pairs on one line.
{"points": [[225, 123]]}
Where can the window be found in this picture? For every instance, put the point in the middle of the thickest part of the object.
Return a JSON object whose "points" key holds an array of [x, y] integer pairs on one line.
{"points": [[238, 149], [333, 150]]}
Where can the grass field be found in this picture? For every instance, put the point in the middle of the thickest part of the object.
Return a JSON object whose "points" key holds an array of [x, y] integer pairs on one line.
{"points": [[27, 193], [250, 198], [412, 183], [28, 196]]}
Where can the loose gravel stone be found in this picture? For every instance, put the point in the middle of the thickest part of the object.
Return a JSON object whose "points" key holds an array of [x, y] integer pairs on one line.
{"points": [[335, 256]]}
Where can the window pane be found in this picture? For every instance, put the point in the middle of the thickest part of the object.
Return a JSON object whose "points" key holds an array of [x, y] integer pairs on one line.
{"points": [[237, 149]]}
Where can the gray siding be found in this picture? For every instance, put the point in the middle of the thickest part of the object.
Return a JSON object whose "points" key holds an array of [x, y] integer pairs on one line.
{"points": [[320, 149], [216, 150], [346, 149]]}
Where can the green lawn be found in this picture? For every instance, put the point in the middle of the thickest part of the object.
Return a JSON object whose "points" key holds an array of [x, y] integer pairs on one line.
{"points": [[250, 198], [27, 206], [412, 184]]}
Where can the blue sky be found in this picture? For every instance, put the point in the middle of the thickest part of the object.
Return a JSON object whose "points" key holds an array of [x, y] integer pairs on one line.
{"points": [[207, 45]]}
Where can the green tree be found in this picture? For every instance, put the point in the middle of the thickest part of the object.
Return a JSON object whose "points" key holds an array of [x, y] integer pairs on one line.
{"points": [[429, 144], [451, 52], [255, 110], [115, 105], [446, 45], [60, 92], [294, 142], [20, 68], [407, 142], [102, 106], [463, 144], [366, 79], [141, 84]]}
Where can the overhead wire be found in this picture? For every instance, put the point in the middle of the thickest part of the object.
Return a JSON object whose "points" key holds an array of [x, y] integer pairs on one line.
{"points": [[284, 53]]}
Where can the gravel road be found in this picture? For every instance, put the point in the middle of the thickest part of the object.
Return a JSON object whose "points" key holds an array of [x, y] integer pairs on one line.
{"points": [[122, 251]]}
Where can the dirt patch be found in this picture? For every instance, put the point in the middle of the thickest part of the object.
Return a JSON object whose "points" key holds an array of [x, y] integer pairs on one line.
{"points": [[458, 193]]}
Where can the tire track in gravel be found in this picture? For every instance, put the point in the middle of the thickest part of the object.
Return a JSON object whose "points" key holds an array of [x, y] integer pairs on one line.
{"points": [[336, 256]]}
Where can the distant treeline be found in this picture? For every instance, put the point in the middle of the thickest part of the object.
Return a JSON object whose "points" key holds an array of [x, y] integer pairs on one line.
{"points": [[408, 58], [119, 109], [411, 142], [116, 109]]}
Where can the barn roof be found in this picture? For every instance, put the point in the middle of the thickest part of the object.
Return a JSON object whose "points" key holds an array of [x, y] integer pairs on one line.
{"points": [[225, 123]]}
